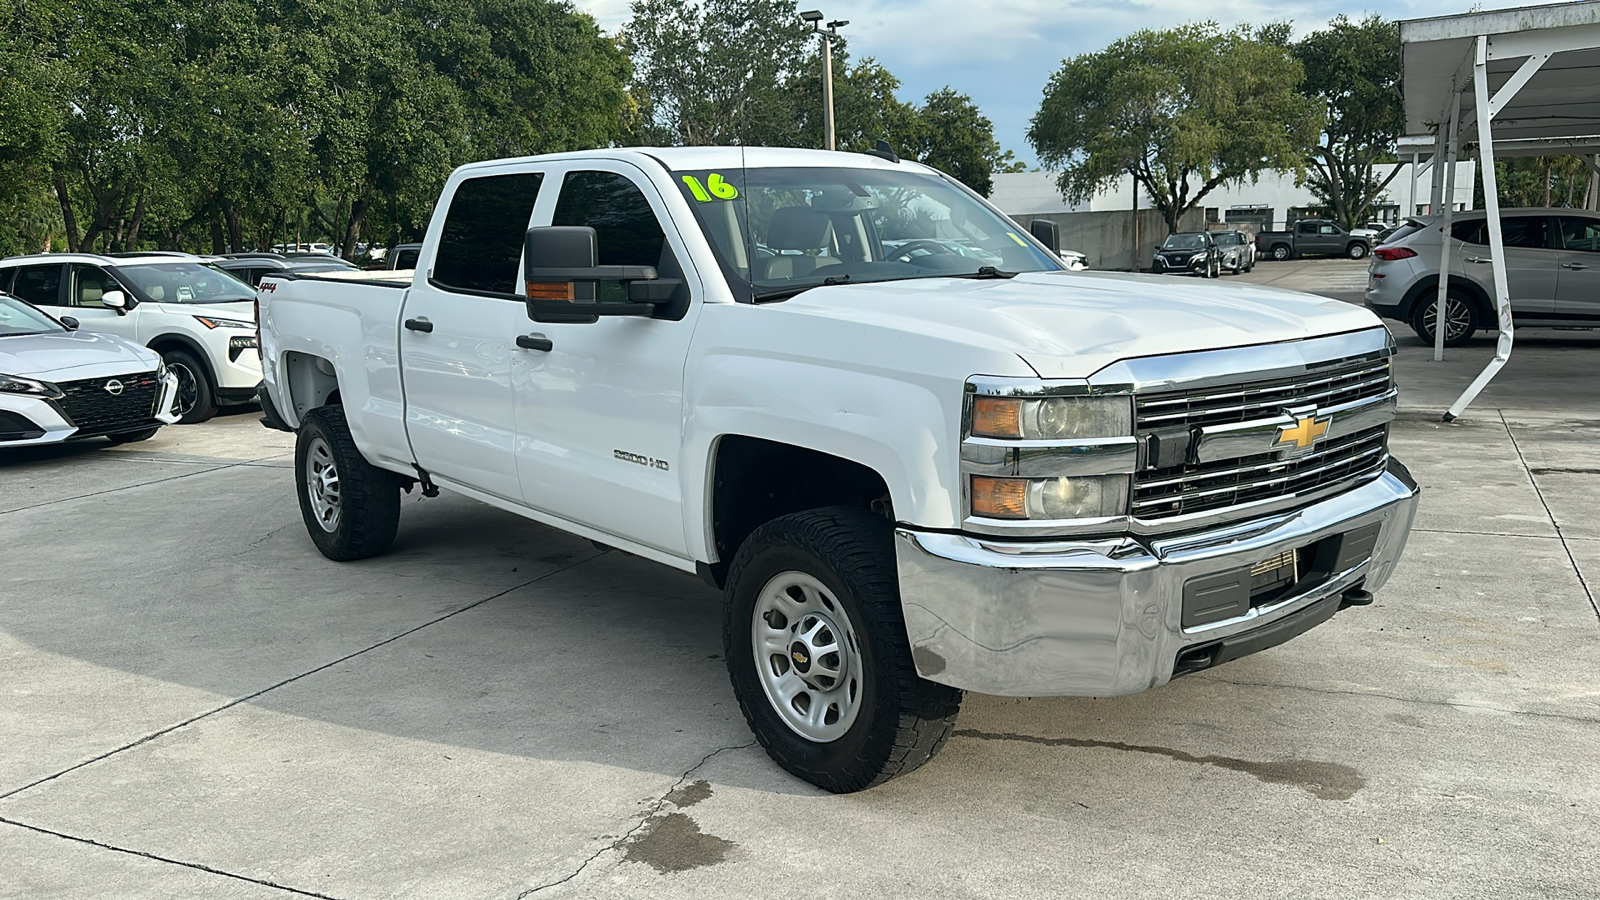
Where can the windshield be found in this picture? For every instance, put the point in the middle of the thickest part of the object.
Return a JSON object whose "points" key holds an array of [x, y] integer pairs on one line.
{"points": [[186, 282], [1185, 242], [17, 317], [1228, 238], [777, 231]]}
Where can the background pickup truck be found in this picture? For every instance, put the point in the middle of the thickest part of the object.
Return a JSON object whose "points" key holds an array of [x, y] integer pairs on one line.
{"points": [[917, 455], [1312, 237]]}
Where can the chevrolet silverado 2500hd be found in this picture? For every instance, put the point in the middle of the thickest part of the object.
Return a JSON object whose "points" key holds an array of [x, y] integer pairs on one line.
{"points": [[914, 470]]}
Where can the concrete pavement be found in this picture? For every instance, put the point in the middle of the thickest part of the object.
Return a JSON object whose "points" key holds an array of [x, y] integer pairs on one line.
{"points": [[194, 703]]}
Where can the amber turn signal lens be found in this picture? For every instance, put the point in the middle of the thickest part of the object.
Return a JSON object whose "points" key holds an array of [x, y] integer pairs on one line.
{"points": [[549, 290], [999, 498], [997, 417]]}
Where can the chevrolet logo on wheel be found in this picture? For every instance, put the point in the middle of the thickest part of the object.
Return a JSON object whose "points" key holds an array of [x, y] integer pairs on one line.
{"points": [[1305, 431]]}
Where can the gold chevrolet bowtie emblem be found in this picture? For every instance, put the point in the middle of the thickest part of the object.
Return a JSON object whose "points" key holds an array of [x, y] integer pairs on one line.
{"points": [[1304, 432], [799, 657]]}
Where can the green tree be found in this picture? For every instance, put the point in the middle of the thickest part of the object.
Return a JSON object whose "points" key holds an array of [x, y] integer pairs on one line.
{"points": [[32, 107], [953, 136], [1352, 71], [1182, 111]]}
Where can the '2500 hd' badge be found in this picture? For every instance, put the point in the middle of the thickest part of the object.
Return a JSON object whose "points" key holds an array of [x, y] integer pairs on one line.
{"points": [[625, 456]]}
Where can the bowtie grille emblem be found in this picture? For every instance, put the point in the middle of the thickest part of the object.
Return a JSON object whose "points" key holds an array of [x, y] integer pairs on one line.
{"points": [[114, 387], [1305, 431]]}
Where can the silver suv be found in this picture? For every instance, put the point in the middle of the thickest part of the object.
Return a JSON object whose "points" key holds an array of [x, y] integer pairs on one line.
{"points": [[1552, 270]]}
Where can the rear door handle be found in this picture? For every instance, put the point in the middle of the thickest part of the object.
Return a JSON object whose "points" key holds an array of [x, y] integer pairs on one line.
{"points": [[534, 342], [1574, 265], [1480, 259], [419, 324]]}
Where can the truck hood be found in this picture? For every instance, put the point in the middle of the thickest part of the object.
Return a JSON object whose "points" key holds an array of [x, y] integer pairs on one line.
{"points": [[1072, 324], [70, 355]]}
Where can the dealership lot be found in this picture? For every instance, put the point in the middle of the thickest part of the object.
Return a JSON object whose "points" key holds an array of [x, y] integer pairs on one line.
{"points": [[198, 704]]}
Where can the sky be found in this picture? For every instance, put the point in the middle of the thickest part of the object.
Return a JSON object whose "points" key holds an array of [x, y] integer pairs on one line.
{"points": [[1003, 52]]}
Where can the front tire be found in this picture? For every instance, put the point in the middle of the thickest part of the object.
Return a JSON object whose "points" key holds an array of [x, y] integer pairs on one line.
{"points": [[1459, 323], [197, 397], [351, 507], [817, 651]]}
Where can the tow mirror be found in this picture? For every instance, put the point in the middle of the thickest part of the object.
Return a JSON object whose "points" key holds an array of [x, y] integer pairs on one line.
{"points": [[1047, 233], [69, 322], [116, 300], [561, 278]]}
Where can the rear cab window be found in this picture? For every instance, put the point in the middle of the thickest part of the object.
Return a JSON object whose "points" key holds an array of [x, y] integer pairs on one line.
{"points": [[480, 246]]}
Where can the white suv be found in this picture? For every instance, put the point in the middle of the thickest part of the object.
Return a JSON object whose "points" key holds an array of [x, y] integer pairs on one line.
{"points": [[1552, 271], [201, 320]]}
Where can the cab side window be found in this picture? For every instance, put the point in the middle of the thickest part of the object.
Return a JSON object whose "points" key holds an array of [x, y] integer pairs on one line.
{"points": [[1580, 234], [481, 244], [89, 284], [627, 232], [39, 285]]}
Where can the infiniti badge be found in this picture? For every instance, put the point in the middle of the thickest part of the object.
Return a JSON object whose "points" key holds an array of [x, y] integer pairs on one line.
{"points": [[113, 387]]}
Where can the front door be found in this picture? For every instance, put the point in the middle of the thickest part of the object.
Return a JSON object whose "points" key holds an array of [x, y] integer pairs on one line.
{"points": [[458, 334], [600, 414], [1578, 273]]}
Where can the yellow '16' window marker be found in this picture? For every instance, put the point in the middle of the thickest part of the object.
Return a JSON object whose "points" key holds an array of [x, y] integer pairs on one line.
{"points": [[719, 188]]}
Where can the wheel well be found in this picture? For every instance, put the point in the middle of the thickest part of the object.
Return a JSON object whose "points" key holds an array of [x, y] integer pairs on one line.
{"points": [[168, 342], [1427, 289], [312, 382], [755, 481]]}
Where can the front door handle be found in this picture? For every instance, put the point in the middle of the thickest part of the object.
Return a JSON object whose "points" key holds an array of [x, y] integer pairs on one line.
{"points": [[534, 342], [419, 324], [1574, 265], [1480, 259]]}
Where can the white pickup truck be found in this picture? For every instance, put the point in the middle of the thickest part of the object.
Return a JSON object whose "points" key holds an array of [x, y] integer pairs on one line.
{"points": [[918, 455]]}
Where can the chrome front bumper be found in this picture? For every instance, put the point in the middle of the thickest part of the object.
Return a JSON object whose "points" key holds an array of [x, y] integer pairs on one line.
{"points": [[1105, 617]]}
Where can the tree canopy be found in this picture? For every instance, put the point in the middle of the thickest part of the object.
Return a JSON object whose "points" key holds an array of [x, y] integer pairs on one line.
{"points": [[1352, 72], [1183, 111]]}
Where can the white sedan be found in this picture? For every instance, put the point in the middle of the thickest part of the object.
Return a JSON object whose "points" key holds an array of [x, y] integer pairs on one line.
{"points": [[58, 383]]}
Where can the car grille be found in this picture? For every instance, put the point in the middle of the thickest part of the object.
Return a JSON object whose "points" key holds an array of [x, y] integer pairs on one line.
{"points": [[1187, 488], [97, 411]]}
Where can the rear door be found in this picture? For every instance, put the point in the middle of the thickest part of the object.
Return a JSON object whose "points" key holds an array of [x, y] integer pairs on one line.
{"points": [[86, 284], [1578, 272], [1531, 261], [457, 332], [41, 286]]}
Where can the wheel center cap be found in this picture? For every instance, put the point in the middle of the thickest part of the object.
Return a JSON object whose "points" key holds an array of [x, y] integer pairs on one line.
{"points": [[802, 656]]}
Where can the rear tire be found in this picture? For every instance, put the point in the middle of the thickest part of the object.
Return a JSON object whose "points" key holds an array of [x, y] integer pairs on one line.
{"points": [[1460, 324], [817, 651], [351, 507], [1356, 251], [197, 397], [1280, 252]]}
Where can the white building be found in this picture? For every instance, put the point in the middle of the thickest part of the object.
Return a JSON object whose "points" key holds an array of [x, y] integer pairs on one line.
{"points": [[1271, 201]]}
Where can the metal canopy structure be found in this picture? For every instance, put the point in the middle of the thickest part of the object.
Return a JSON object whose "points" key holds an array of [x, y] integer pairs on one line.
{"points": [[1522, 82]]}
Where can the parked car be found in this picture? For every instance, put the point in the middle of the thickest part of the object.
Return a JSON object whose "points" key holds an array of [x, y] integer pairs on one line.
{"points": [[58, 383], [1311, 237], [1076, 262], [200, 319], [249, 267], [910, 473], [1189, 253], [402, 256], [1238, 250], [1552, 259]]}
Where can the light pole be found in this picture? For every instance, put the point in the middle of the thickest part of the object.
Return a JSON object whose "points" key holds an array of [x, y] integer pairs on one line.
{"points": [[814, 19]]}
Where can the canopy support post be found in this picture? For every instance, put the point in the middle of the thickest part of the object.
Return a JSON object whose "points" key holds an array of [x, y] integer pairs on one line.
{"points": [[1441, 324]]}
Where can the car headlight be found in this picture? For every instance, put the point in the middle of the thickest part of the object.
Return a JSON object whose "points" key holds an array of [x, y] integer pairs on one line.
{"points": [[1051, 418], [12, 384], [214, 322], [1068, 497]]}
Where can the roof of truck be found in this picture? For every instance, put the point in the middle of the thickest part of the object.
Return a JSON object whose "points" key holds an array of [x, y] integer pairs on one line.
{"points": [[679, 158]]}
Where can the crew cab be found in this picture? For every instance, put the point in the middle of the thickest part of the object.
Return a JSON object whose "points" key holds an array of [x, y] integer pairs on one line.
{"points": [[1309, 237], [911, 470]]}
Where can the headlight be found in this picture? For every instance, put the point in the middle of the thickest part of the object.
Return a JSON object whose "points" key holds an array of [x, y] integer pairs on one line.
{"points": [[214, 322], [1051, 418], [11, 384], [1076, 497]]}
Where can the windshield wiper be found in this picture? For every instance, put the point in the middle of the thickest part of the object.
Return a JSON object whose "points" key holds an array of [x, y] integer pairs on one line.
{"points": [[987, 272], [837, 279]]}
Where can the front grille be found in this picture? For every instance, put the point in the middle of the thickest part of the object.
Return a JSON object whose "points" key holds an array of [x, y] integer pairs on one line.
{"points": [[1191, 488], [1339, 382], [97, 411]]}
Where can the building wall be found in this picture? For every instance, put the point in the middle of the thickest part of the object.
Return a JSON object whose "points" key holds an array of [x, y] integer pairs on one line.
{"points": [[1106, 236]]}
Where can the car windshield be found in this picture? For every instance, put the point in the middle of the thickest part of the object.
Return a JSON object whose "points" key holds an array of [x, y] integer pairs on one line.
{"points": [[186, 282], [1228, 238], [1184, 242], [17, 318], [777, 231]]}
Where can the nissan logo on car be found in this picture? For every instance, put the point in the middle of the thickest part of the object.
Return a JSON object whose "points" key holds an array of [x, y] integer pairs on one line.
{"points": [[114, 387]]}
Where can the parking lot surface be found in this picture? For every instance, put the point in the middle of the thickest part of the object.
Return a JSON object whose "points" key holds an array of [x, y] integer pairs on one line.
{"points": [[195, 703]]}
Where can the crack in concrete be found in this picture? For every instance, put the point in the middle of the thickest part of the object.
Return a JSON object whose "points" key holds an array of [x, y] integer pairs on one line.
{"points": [[1509, 534], [690, 797], [1539, 492], [287, 681], [165, 859]]}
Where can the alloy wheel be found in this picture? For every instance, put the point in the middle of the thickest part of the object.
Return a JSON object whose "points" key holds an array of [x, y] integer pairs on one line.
{"points": [[188, 388], [1457, 318]]}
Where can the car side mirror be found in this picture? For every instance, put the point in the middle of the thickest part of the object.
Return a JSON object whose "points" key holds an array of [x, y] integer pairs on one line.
{"points": [[116, 300], [561, 278], [1047, 233], [70, 323]]}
